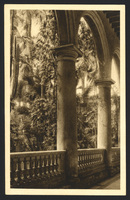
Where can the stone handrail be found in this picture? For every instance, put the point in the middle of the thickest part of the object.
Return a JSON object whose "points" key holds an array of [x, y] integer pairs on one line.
{"points": [[36, 165], [88, 158], [44, 166]]}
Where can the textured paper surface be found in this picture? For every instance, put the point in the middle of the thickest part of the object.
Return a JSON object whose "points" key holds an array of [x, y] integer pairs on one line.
{"points": [[11, 191]]}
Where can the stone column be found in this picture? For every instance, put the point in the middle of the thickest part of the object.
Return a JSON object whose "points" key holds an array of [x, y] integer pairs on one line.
{"points": [[119, 127], [66, 107], [104, 116]]}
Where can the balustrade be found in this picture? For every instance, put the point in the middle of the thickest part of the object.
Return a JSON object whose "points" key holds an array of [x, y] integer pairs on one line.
{"points": [[89, 158], [115, 155], [30, 166], [27, 167]]}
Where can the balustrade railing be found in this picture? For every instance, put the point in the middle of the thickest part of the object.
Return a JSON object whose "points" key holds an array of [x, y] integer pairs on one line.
{"points": [[27, 167], [88, 158], [30, 166], [115, 155]]}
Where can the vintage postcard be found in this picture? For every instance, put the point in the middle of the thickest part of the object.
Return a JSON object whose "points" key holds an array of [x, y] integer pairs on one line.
{"points": [[65, 131]]}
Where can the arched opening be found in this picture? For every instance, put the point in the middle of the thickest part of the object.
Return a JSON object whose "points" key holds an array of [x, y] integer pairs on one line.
{"points": [[95, 23], [104, 79], [115, 102], [87, 69]]}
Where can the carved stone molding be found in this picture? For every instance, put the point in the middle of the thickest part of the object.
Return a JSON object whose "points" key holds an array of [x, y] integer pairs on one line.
{"points": [[104, 82], [67, 52]]}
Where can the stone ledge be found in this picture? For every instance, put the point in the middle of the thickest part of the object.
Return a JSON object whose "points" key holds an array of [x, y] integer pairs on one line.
{"points": [[104, 82]]}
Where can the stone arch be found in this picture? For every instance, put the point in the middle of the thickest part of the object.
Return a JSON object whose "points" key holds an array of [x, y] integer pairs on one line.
{"points": [[66, 26], [95, 23], [116, 57], [116, 73], [117, 52]]}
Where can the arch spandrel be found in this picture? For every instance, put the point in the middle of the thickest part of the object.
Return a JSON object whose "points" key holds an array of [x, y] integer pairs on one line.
{"points": [[66, 26], [117, 52], [112, 38], [116, 57], [61, 27]]}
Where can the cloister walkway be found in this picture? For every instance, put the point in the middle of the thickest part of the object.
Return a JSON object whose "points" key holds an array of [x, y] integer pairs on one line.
{"points": [[46, 169], [110, 183]]}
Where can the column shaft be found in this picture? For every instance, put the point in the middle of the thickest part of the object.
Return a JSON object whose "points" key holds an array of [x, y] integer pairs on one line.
{"points": [[104, 116], [119, 128], [66, 108]]}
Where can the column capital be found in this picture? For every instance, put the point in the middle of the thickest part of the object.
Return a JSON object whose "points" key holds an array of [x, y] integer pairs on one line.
{"points": [[104, 82], [67, 52]]}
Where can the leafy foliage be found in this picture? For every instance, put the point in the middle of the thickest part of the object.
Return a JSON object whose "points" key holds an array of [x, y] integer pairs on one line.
{"points": [[115, 115], [88, 62], [34, 75], [36, 79], [86, 104]]}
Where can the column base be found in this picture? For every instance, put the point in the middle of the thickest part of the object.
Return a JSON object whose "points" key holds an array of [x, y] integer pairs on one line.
{"points": [[73, 182], [112, 170]]}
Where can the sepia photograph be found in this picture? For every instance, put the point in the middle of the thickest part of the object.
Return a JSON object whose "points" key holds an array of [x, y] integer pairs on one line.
{"points": [[65, 99]]}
